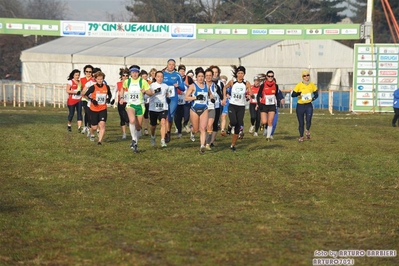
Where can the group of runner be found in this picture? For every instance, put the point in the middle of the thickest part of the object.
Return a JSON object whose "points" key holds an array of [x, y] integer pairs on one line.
{"points": [[167, 96]]}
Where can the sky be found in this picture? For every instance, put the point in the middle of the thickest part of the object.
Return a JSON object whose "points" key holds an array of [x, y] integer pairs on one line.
{"points": [[96, 10]]}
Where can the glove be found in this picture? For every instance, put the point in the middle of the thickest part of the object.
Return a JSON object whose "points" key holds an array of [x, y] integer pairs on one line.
{"points": [[200, 97], [253, 96], [94, 102], [212, 100], [112, 102], [168, 100], [107, 100], [247, 99], [157, 90], [78, 92]]}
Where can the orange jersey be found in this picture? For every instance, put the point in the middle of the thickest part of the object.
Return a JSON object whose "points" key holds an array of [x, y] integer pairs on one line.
{"points": [[100, 95]]}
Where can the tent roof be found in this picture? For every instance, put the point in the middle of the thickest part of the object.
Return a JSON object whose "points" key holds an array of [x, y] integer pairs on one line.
{"points": [[150, 48]]}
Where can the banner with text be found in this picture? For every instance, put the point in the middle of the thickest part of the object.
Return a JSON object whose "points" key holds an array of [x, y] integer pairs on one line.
{"points": [[179, 31], [375, 77]]}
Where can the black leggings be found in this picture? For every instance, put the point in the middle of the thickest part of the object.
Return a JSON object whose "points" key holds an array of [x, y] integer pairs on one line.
{"points": [[396, 116], [255, 116], [216, 121], [236, 116], [182, 111], [87, 114], [301, 111], [124, 119]]}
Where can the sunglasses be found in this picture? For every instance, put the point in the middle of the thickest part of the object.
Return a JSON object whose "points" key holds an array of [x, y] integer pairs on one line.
{"points": [[270, 76], [306, 75], [88, 71]]}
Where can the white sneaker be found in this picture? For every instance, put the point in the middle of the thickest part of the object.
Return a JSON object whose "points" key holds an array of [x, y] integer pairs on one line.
{"points": [[187, 128], [163, 144], [251, 129], [192, 137], [176, 131], [146, 132], [84, 130], [255, 134], [138, 133], [179, 135], [271, 137], [265, 132], [88, 132], [152, 141], [98, 131], [202, 149], [124, 136]]}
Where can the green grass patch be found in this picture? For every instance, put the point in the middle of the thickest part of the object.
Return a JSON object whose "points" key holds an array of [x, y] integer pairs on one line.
{"points": [[66, 201]]}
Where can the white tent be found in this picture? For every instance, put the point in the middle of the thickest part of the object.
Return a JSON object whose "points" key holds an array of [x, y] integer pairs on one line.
{"points": [[53, 61]]}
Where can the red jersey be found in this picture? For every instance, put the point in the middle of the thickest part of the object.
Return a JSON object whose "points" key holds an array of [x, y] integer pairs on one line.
{"points": [[269, 92], [73, 98], [255, 91]]}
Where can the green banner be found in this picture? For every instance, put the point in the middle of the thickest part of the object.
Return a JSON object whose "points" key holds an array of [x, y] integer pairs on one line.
{"points": [[375, 77], [180, 31], [29, 27], [279, 32]]}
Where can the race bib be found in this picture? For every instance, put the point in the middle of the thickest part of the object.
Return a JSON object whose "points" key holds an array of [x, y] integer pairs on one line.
{"points": [[180, 99], [134, 98], [101, 98], [171, 91], [202, 101], [270, 99], [307, 97], [76, 97], [158, 106]]}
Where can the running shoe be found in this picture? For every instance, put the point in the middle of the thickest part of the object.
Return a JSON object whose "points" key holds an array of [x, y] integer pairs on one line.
{"points": [[208, 147], [192, 137], [202, 149], [179, 136], [394, 125], [79, 129], [271, 137], [124, 136], [92, 137], [187, 128], [212, 145], [99, 143], [69, 128], [84, 130], [98, 131], [132, 144], [251, 129], [265, 132], [300, 139], [229, 130], [163, 144], [152, 141], [255, 134], [139, 133], [307, 134], [167, 137], [146, 132], [223, 133], [88, 133], [241, 134], [268, 139], [232, 148]]}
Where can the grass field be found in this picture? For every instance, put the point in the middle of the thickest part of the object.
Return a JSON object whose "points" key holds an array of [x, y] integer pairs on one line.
{"points": [[66, 201]]}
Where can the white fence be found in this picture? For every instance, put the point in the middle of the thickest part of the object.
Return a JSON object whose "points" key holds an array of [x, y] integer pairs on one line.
{"points": [[20, 94]]}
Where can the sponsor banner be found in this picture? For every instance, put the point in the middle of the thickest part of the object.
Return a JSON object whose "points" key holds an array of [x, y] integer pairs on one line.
{"points": [[388, 58], [366, 80], [376, 71], [180, 30], [205, 31], [385, 103], [385, 95], [366, 65], [387, 81], [388, 73], [388, 50], [361, 87], [364, 102], [388, 65], [387, 87], [366, 57], [276, 31], [367, 72], [366, 50], [365, 95]]}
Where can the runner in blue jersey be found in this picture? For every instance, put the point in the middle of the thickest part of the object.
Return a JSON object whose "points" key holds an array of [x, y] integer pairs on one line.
{"points": [[174, 81]]}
